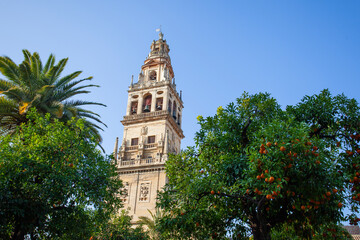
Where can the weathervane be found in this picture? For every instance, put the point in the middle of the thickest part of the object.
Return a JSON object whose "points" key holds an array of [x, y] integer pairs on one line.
{"points": [[158, 29], [160, 33]]}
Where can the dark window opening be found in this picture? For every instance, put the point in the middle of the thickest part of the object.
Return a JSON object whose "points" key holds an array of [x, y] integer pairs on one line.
{"points": [[147, 104], [151, 139], [134, 106], [152, 75], [174, 110], [134, 141], [159, 104], [169, 107]]}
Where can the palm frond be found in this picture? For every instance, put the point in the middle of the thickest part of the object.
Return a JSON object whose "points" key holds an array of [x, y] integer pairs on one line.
{"points": [[81, 103], [9, 69], [69, 94], [49, 64], [59, 68], [16, 93], [33, 85], [5, 85], [65, 80], [27, 55], [36, 65], [25, 75], [88, 115]]}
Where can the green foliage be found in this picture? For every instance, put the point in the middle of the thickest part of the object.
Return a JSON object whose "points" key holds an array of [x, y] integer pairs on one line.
{"points": [[54, 182], [326, 231], [257, 167], [150, 224], [120, 228], [32, 84]]}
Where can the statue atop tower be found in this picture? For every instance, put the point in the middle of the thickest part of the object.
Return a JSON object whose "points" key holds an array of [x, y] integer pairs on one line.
{"points": [[152, 130]]}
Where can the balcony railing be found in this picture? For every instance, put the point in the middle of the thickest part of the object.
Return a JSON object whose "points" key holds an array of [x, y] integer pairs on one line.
{"points": [[152, 145], [144, 115], [139, 162], [131, 148]]}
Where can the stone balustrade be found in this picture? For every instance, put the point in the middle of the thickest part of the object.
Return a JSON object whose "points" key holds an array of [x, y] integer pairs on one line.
{"points": [[145, 115], [139, 162]]}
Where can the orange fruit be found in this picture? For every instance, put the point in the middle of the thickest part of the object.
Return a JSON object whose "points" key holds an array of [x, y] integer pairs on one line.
{"points": [[268, 144], [328, 194], [282, 148], [212, 192]]}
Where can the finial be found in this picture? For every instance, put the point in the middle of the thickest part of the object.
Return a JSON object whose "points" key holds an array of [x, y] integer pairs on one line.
{"points": [[132, 80], [180, 94], [161, 35], [116, 150]]}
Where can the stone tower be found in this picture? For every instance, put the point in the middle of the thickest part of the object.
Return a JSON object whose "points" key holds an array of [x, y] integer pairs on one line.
{"points": [[152, 130]]}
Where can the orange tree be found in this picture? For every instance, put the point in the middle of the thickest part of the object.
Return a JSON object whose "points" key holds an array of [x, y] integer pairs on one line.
{"points": [[257, 167], [54, 182]]}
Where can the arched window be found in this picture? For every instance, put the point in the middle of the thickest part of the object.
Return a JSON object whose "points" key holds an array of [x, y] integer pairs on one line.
{"points": [[134, 106], [159, 104], [147, 103], [152, 75], [174, 110]]}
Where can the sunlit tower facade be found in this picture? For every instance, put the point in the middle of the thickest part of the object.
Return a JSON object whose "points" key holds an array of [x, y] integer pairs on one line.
{"points": [[152, 130]]}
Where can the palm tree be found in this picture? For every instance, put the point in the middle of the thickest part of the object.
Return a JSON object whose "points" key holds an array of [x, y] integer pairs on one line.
{"points": [[150, 223], [32, 85]]}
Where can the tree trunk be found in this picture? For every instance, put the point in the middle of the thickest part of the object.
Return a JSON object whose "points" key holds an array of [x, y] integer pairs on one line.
{"points": [[260, 232], [18, 234]]}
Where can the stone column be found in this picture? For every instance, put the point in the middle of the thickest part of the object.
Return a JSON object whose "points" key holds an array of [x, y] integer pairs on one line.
{"points": [[140, 104], [128, 106], [166, 100], [153, 101]]}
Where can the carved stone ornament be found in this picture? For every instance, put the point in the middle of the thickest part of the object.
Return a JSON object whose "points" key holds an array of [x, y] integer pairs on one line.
{"points": [[124, 196], [144, 130], [144, 195]]}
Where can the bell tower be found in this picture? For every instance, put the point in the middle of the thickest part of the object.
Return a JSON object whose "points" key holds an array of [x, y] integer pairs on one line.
{"points": [[152, 130]]}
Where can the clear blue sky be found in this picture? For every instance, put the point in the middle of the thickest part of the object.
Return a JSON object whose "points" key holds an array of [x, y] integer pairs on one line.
{"points": [[219, 49]]}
